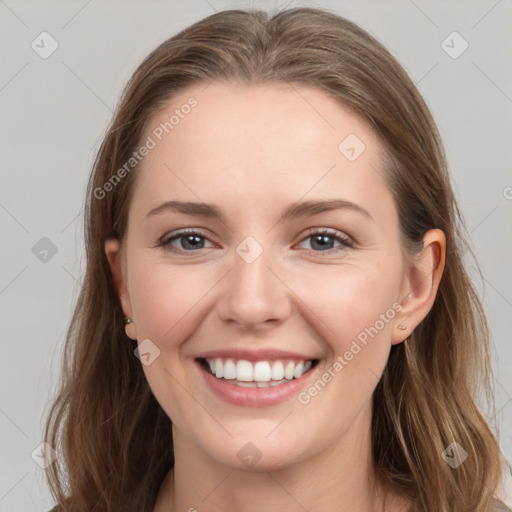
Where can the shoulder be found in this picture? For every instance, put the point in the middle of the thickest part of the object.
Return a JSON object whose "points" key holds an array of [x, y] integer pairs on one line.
{"points": [[501, 507]]}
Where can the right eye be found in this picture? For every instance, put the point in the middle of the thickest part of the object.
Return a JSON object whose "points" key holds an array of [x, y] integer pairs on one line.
{"points": [[189, 239]]}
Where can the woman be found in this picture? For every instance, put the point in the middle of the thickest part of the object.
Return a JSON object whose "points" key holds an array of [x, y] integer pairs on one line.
{"points": [[275, 313]]}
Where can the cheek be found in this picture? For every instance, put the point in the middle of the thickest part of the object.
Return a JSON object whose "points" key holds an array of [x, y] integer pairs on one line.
{"points": [[353, 304], [354, 313], [163, 299], [166, 301]]}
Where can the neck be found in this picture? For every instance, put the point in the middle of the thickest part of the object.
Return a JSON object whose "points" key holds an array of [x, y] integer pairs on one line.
{"points": [[339, 478]]}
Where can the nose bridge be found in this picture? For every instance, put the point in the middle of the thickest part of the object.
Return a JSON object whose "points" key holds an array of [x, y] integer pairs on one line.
{"points": [[253, 293]]}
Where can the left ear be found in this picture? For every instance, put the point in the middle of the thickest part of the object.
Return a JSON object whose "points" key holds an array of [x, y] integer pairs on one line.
{"points": [[421, 283]]}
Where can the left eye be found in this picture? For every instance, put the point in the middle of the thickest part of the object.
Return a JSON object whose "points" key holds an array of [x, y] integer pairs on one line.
{"points": [[320, 239]]}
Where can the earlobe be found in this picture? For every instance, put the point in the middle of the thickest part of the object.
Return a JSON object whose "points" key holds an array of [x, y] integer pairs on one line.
{"points": [[114, 256], [421, 284]]}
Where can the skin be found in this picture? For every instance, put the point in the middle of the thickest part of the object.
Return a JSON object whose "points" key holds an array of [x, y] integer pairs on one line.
{"points": [[253, 150]]}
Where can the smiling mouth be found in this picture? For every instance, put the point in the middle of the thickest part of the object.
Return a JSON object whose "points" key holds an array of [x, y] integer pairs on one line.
{"points": [[258, 374]]}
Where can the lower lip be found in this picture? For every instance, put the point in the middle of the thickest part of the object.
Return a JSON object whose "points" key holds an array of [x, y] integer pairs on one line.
{"points": [[254, 397]]}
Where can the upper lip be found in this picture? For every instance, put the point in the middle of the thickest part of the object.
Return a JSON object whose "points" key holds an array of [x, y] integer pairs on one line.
{"points": [[262, 354]]}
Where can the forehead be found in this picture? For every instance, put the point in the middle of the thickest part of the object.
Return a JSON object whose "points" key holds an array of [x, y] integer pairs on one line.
{"points": [[267, 140]]}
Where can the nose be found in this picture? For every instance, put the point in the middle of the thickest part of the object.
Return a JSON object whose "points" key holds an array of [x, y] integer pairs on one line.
{"points": [[253, 294]]}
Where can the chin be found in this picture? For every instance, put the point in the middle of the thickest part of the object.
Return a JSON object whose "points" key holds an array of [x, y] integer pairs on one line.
{"points": [[256, 453]]}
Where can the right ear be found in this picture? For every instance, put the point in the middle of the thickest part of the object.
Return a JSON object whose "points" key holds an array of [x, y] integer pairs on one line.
{"points": [[117, 267]]}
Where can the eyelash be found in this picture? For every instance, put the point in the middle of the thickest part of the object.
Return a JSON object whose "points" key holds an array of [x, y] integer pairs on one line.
{"points": [[345, 241]]}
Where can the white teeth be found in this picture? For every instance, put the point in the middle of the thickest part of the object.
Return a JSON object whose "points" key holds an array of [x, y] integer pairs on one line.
{"points": [[288, 370], [299, 370], [262, 371], [259, 374], [277, 371], [229, 369], [259, 384], [244, 371], [219, 369]]}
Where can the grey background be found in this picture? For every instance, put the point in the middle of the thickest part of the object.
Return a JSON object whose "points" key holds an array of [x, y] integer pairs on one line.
{"points": [[54, 113]]}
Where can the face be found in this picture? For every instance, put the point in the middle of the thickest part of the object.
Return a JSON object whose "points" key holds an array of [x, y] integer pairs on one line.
{"points": [[271, 322]]}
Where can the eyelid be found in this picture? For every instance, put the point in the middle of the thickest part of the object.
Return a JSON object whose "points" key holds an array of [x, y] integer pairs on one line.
{"points": [[346, 241], [329, 231], [174, 235]]}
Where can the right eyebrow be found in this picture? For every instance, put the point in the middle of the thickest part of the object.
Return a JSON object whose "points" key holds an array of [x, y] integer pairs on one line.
{"points": [[188, 208]]}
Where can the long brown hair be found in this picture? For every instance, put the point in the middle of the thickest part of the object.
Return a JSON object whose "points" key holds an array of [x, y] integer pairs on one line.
{"points": [[114, 440]]}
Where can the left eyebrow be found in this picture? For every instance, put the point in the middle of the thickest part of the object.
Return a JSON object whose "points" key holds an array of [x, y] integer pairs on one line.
{"points": [[310, 208], [294, 210]]}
